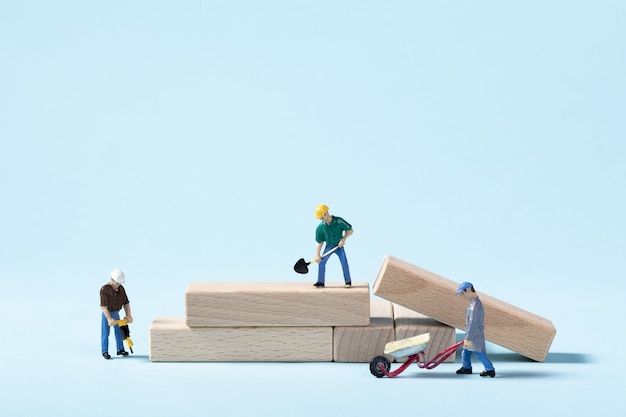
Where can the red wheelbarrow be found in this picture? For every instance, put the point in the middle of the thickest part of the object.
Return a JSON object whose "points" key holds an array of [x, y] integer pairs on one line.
{"points": [[414, 348]]}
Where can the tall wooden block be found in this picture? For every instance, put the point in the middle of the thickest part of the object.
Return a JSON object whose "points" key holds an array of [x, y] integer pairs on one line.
{"points": [[362, 343], [171, 340], [434, 296], [236, 304], [409, 323]]}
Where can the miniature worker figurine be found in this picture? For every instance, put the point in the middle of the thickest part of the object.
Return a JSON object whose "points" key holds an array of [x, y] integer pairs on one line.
{"points": [[334, 231], [474, 332], [112, 299]]}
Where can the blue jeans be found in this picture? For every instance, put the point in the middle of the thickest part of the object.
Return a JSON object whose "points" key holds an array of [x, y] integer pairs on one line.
{"points": [[466, 356], [321, 271], [104, 336]]}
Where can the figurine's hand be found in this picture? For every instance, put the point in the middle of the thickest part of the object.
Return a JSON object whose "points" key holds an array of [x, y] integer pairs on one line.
{"points": [[112, 322], [129, 319], [467, 344], [341, 243], [317, 259]]}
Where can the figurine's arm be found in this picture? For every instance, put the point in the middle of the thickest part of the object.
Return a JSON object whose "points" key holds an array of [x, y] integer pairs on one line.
{"points": [[472, 322], [318, 250], [345, 236], [467, 343], [469, 328], [105, 311], [129, 317]]}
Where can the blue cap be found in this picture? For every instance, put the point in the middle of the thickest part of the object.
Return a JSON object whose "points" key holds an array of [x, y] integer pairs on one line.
{"points": [[463, 287]]}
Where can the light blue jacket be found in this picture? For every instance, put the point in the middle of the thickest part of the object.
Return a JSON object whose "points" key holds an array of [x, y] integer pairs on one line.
{"points": [[475, 325]]}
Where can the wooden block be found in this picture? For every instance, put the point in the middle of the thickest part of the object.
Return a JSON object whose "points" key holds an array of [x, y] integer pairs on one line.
{"points": [[171, 340], [363, 343], [409, 323], [221, 304], [434, 296]]}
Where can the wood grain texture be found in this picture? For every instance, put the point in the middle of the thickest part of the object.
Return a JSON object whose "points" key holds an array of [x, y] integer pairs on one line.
{"points": [[409, 323], [236, 304], [171, 340], [363, 343], [434, 296]]}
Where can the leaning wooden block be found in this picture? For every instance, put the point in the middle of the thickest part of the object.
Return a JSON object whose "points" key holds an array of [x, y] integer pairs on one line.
{"points": [[362, 343], [171, 340], [434, 296], [236, 304], [409, 323]]}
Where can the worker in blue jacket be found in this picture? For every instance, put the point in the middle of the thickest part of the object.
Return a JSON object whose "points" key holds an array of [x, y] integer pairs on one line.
{"points": [[474, 332]]}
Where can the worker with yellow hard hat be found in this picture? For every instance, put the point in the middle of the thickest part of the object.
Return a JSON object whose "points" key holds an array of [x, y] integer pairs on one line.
{"points": [[332, 230]]}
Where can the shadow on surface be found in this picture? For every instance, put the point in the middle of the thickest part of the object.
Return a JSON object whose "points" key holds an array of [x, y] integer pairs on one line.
{"points": [[551, 358], [499, 375], [524, 374], [568, 358], [133, 357], [452, 375]]}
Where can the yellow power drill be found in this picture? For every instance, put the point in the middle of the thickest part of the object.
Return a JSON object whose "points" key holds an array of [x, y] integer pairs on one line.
{"points": [[126, 332]]}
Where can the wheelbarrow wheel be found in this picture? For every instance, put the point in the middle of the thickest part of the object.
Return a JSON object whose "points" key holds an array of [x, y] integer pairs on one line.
{"points": [[375, 366]]}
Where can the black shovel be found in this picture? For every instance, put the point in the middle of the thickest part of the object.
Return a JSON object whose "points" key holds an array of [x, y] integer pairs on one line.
{"points": [[302, 266]]}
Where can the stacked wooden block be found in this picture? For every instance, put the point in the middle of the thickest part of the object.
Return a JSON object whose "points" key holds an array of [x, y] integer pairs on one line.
{"points": [[286, 322], [274, 322]]}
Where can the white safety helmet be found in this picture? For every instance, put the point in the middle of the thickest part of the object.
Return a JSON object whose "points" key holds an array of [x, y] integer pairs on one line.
{"points": [[118, 276]]}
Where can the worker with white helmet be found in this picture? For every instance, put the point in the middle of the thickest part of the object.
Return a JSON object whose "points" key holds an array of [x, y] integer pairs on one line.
{"points": [[112, 299], [334, 231]]}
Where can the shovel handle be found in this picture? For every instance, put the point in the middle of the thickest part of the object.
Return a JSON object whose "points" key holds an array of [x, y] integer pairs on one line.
{"points": [[327, 253]]}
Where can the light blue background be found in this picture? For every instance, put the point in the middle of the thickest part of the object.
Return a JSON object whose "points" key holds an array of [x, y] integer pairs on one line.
{"points": [[191, 141]]}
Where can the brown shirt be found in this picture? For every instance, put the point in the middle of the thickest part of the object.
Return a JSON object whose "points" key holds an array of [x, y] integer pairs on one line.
{"points": [[113, 300]]}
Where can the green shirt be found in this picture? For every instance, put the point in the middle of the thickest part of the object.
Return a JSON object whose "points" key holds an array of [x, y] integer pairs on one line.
{"points": [[331, 233]]}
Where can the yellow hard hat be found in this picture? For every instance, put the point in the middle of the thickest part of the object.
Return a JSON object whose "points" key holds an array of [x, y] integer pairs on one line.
{"points": [[320, 211]]}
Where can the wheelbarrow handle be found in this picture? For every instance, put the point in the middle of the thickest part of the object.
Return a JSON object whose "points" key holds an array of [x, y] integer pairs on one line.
{"points": [[441, 356]]}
